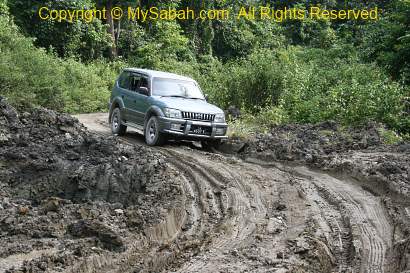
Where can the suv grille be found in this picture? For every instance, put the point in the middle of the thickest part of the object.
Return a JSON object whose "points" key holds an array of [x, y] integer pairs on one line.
{"points": [[198, 116]]}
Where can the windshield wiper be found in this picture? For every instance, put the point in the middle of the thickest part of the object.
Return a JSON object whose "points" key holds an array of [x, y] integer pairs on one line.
{"points": [[175, 96], [179, 96]]}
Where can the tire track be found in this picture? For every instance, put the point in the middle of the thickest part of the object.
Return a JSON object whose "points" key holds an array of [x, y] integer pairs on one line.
{"points": [[220, 241], [370, 226], [243, 214], [329, 216], [228, 204]]}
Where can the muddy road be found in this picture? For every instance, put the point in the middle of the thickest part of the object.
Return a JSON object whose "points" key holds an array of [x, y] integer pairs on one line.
{"points": [[249, 215]]}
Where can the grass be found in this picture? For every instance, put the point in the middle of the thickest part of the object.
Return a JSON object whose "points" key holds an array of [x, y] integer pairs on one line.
{"points": [[389, 137]]}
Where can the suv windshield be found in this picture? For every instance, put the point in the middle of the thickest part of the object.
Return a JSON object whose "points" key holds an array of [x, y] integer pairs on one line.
{"points": [[176, 88]]}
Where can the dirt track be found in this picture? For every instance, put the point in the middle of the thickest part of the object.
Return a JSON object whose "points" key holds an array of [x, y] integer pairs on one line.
{"points": [[252, 216]]}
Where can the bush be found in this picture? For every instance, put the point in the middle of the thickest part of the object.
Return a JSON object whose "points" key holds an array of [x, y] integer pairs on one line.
{"points": [[79, 39], [306, 85], [88, 86], [165, 44], [272, 84], [340, 88], [389, 137], [251, 123], [29, 76], [387, 41]]}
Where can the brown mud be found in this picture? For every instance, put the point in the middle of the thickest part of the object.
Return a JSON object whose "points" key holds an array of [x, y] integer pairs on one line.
{"points": [[77, 200]]}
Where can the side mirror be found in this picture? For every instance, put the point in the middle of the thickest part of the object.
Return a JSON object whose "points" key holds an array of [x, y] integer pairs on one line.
{"points": [[206, 97], [143, 90]]}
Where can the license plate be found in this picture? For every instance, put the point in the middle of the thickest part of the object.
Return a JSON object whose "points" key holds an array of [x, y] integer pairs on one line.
{"points": [[199, 131]]}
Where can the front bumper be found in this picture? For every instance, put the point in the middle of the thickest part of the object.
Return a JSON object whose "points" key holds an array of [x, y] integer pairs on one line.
{"points": [[187, 126]]}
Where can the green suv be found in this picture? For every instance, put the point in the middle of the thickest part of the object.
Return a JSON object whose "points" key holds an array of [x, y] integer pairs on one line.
{"points": [[161, 105]]}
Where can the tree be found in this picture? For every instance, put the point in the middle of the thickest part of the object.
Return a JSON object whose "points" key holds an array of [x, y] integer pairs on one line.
{"points": [[87, 41], [388, 41]]}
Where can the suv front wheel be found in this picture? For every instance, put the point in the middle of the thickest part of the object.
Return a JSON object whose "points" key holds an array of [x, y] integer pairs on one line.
{"points": [[153, 136], [117, 128], [211, 144]]}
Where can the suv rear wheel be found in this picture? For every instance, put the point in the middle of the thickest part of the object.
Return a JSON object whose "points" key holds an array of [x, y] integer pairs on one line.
{"points": [[152, 134], [117, 128]]}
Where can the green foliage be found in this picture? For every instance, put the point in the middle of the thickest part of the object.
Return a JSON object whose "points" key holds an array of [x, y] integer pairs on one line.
{"points": [[88, 87], [295, 71], [310, 85], [256, 81], [132, 38], [301, 85], [239, 38], [309, 32], [389, 136], [79, 39], [388, 41], [29, 76], [251, 123], [342, 89], [165, 43], [243, 129], [4, 9]]}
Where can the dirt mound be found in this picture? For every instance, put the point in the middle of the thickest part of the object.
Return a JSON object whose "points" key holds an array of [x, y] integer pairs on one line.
{"points": [[311, 143], [357, 151], [72, 201], [66, 193], [48, 154], [358, 154]]}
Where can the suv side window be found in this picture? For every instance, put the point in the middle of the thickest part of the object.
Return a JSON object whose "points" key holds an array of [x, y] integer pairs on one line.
{"points": [[144, 82], [124, 80], [134, 82]]}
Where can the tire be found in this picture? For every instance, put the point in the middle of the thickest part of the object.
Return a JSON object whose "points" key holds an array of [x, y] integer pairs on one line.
{"points": [[153, 137], [211, 144], [117, 128]]}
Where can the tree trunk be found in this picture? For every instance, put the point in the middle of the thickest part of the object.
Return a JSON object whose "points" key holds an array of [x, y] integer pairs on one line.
{"points": [[111, 30], [117, 34]]}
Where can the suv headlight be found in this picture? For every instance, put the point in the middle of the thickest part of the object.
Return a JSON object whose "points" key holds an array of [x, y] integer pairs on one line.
{"points": [[172, 113], [220, 118]]}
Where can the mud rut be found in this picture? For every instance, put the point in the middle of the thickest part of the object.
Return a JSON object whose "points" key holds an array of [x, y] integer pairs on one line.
{"points": [[244, 216]]}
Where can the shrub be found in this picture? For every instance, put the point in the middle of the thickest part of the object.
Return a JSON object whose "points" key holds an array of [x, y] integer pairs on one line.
{"points": [[389, 137], [340, 88], [307, 85], [30, 76]]}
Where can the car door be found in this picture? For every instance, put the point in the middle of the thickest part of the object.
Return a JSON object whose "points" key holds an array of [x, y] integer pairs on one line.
{"points": [[142, 103], [123, 87], [132, 99], [139, 101]]}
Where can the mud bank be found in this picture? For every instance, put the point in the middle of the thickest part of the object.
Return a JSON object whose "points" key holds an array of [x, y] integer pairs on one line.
{"points": [[356, 154], [279, 214], [301, 199], [67, 195]]}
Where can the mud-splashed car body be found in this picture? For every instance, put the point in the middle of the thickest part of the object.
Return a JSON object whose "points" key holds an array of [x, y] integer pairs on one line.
{"points": [[161, 104]]}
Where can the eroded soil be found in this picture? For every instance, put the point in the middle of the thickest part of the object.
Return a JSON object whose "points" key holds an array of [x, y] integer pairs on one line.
{"points": [[283, 204]]}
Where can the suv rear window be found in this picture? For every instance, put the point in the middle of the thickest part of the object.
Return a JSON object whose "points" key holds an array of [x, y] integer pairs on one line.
{"points": [[124, 80], [132, 81]]}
